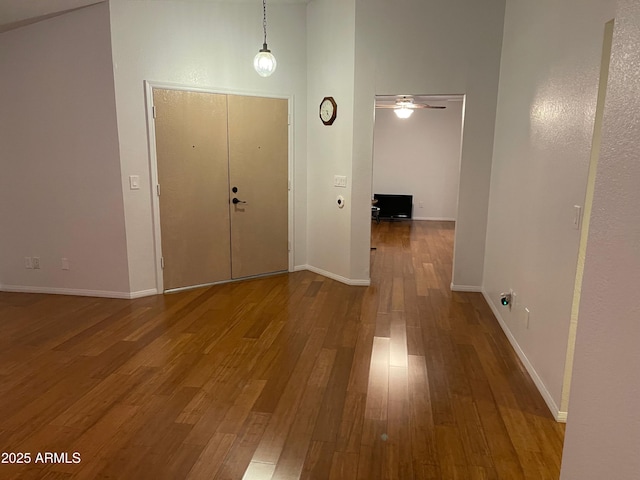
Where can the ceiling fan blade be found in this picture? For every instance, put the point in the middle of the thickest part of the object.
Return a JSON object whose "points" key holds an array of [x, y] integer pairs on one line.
{"points": [[414, 106], [437, 107]]}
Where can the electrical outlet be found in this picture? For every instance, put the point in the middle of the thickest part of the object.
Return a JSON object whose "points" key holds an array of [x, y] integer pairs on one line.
{"points": [[65, 264], [420, 205], [36, 263], [28, 263]]}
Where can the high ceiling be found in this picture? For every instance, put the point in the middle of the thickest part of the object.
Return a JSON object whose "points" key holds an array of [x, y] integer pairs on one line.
{"points": [[17, 13]]}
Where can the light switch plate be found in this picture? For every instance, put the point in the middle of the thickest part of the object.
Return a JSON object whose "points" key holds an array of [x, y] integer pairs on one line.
{"points": [[134, 182], [577, 216], [340, 181]]}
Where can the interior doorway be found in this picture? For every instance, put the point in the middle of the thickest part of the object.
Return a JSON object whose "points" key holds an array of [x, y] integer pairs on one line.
{"points": [[416, 157], [222, 176]]}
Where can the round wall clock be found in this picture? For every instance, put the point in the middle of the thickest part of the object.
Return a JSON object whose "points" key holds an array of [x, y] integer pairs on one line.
{"points": [[328, 110]]}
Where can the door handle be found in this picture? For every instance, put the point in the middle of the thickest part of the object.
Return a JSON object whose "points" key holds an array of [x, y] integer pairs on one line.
{"points": [[235, 201]]}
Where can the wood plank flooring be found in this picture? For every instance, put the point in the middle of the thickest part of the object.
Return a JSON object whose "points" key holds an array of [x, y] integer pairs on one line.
{"points": [[289, 377]]}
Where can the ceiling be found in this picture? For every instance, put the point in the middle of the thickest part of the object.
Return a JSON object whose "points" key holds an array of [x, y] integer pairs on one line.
{"points": [[17, 13]]}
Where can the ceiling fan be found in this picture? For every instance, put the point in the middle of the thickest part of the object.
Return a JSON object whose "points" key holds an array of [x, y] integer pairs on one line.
{"points": [[404, 106]]}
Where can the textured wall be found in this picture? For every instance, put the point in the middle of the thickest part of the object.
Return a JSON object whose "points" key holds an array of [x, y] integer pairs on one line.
{"points": [[330, 42], [60, 192], [603, 430], [544, 126]]}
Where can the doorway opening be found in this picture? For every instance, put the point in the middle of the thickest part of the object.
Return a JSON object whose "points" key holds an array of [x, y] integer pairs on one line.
{"points": [[416, 160]]}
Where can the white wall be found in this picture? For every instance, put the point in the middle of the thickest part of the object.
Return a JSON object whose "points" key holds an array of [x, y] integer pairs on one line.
{"points": [[420, 156], [603, 431], [60, 193], [207, 45], [544, 126], [330, 41], [435, 47]]}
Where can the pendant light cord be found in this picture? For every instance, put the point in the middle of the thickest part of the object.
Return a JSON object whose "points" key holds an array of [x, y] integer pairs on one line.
{"points": [[264, 21]]}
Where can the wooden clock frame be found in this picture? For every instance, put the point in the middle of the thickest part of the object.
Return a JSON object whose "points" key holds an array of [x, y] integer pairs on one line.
{"points": [[335, 111]]}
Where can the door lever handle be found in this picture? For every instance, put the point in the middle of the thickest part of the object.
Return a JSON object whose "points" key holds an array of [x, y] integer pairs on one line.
{"points": [[235, 201]]}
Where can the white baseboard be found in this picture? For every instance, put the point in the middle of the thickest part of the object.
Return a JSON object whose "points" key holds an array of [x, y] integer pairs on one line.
{"points": [[553, 407], [143, 293], [465, 288], [333, 276], [78, 292], [435, 219]]}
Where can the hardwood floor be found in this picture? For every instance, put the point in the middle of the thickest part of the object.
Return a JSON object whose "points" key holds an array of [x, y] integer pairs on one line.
{"points": [[288, 377]]}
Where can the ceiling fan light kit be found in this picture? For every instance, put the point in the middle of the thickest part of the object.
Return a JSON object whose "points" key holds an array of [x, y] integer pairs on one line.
{"points": [[403, 112], [264, 62]]}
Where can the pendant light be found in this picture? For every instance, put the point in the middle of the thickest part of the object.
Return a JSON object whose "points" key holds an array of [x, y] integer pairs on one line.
{"points": [[264, 62]]}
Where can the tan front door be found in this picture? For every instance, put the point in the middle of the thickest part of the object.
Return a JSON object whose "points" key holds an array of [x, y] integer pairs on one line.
{"points": [[193, 172], [207, 144], [258, 167]]}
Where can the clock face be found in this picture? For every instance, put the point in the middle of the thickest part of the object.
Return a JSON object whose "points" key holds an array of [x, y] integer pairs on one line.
{"points": [[328, 110]]}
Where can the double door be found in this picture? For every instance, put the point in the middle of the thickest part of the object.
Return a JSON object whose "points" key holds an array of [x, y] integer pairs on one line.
{"points": [[223, 175]]}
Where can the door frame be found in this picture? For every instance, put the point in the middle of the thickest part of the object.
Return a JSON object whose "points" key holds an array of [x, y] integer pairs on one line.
{"points": [[149, 85]]}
